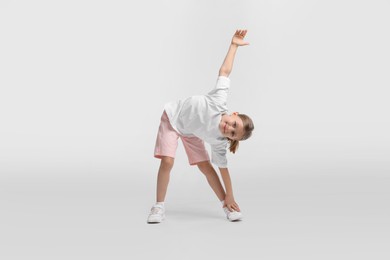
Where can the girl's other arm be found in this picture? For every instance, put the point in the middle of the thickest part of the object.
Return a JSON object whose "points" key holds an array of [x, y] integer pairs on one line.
{"points": [[229, 198], [237, 40]]}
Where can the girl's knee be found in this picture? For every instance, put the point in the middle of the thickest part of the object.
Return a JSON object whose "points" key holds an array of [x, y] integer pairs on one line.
{"points": [[167, 162], [204, 166]]}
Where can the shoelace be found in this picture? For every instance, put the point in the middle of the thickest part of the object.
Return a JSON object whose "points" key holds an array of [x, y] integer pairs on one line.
{"points": [[156, 210]]}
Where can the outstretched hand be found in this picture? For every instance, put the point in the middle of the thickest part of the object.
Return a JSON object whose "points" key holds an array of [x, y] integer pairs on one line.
{"points": [[238, 38]]}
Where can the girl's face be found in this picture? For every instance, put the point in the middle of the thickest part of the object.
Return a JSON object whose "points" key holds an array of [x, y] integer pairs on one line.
{"points": [[231, 126]]}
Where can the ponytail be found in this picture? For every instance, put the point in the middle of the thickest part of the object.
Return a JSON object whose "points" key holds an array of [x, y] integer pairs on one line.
{"points": [[233, 145]]}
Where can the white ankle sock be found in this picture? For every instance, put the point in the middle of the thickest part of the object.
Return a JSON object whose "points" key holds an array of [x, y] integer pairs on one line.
{"points": [[222, 201], [160, 203]]}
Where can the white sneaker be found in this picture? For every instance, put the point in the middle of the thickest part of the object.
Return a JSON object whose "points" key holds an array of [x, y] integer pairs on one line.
{"points": [[157, 214], [232, 215]]}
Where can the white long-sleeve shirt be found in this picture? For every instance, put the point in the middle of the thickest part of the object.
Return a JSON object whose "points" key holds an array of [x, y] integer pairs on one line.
{"points": [[200, 116]]}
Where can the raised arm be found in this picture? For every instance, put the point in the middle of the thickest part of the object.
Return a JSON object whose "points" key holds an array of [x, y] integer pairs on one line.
{"points": [[237, 40]]}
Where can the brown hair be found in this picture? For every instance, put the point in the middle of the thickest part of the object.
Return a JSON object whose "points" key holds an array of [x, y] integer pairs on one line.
{"points": [[248, 128]]}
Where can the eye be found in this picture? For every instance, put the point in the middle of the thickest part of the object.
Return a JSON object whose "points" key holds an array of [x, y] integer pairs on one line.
{"points": [[235, 124]]}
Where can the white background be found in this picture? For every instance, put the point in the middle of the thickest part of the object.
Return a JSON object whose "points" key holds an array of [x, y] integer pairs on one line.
{"points": [[82, 88]]}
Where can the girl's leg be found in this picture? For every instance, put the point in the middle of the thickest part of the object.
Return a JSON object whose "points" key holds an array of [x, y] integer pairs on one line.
{"points": [[212, 177], [163, 177]]}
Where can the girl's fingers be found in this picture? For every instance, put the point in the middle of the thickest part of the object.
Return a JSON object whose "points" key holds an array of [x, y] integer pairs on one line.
{"points": [[240, 33]]}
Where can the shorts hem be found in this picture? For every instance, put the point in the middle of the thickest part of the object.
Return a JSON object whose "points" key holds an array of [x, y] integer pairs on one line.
{"points": [[198, 161], [159, 156]]}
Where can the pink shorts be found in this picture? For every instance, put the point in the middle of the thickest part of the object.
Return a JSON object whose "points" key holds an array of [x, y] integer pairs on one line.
{"points": [[166, 143]]}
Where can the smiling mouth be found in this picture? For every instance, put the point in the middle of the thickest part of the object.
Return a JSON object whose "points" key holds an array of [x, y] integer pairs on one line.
{"points": [[224, 128]]}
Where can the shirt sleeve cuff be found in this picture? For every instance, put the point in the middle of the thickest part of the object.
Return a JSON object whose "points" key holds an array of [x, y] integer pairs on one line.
{"points": [[223, 81]]}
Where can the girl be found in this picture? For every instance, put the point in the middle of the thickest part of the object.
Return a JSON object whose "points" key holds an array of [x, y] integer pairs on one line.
{"points": [[197, 119]]}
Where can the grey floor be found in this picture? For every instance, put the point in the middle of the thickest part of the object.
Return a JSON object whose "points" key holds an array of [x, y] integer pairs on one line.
{"points": [[101, 215]]}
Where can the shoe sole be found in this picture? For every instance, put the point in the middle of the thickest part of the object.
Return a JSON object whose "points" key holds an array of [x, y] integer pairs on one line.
{"points": [[235, 220], [155, 221]]}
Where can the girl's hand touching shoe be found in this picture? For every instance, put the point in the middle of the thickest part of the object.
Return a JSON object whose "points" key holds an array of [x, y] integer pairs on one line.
{"points": [[231, 204]]}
